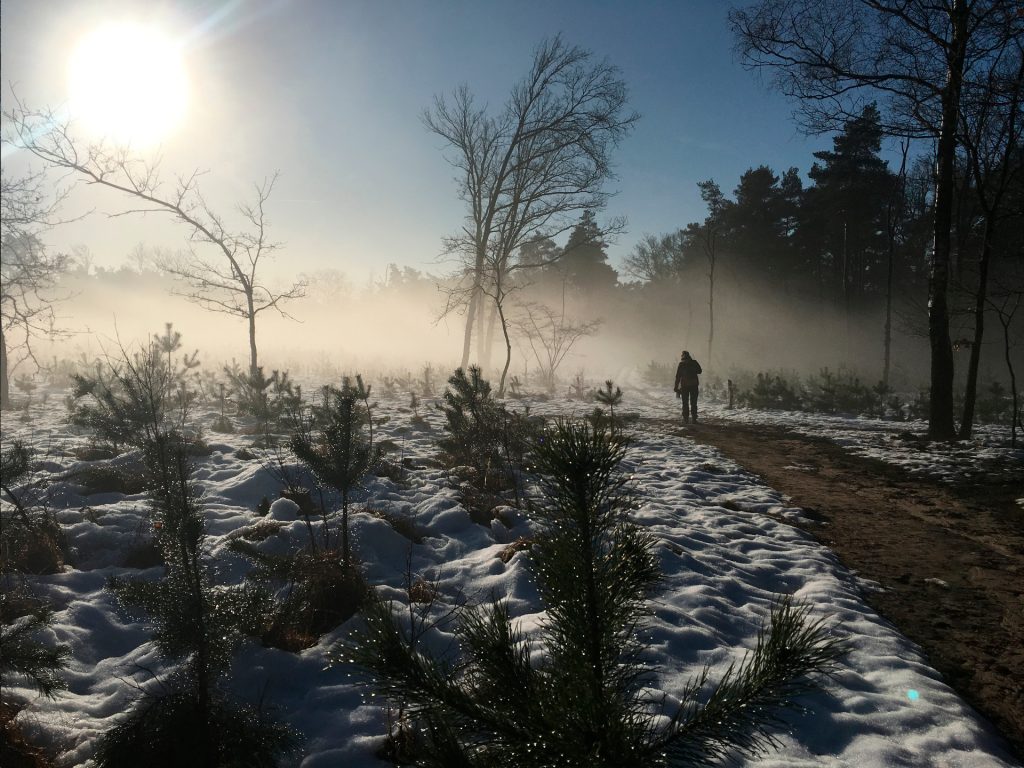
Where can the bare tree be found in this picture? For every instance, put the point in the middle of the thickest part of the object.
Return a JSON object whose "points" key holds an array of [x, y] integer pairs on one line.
{"points": [[551, 336], [1005, 302], [657, 258], [707, 233], [895, 217], [528, 171], [28, 270], [228, 282], [991, 131], [913, 55]]}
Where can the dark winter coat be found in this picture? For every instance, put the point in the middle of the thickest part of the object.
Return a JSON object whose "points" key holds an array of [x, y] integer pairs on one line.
{"points": [[686, 374]]}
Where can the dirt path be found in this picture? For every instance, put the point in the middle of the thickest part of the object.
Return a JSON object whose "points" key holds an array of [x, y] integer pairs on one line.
{"points": [[950, 560]]}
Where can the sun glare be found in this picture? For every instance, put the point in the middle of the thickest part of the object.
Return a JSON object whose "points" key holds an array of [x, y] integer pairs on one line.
{"points": [[127, 84]]}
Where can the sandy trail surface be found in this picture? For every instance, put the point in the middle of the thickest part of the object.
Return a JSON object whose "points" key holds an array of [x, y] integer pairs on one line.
{"points": [[948, 560]]}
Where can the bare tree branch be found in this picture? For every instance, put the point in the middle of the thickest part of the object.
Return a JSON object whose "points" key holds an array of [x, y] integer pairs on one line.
{"points": [[530, 170], [232, 285]]}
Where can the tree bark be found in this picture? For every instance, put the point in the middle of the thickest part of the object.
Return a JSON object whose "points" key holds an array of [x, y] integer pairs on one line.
{"points": [[887, 342], [971, 386], [252, 334], [711, 310], [508, 349], [940, 409], [487, 337], [467, 337], [894, 214]]}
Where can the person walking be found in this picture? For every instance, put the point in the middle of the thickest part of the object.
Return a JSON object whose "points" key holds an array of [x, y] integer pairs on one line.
{"points": [[687, 385]]}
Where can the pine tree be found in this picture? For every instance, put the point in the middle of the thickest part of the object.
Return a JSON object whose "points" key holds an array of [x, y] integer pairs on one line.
{"points": [[135, 398], [610, 396], [335, 449], [584, 261], [575, 696], [25, 655], [31, 539], [268, 399], [192, 720], [22, 652], [844, 220], [473, 423]]}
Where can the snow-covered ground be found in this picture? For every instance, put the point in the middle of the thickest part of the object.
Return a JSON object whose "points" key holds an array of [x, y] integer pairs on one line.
{"points": [[722, 548]]}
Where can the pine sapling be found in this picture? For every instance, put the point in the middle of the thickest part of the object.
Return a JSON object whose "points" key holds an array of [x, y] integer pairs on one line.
{"points": [[574, 694], [336, 452], [192, 719], [222, 423], [31, 539], [128, 401], [610, 396], [24, 621]]}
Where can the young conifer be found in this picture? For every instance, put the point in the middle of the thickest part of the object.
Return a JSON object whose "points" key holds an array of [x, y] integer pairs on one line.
{"points": [[610, 396], [474, 424], [268, 399], [133, 399], [191, 720], [22, 652], [335, 449], [322, 585], [581, 701], [31, 539]]}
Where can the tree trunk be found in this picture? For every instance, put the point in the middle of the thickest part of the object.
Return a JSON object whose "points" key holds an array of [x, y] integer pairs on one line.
{"points": [[894, 215], [252, 334], [711, 310], [508, 349], [887, 342], [1006, 320], [467, 338], [971, 386], [487, 337], [5, 382], [940, 409]]}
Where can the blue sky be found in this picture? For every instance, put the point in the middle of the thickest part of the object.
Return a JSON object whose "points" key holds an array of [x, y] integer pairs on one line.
{"points": [[330, 94]]}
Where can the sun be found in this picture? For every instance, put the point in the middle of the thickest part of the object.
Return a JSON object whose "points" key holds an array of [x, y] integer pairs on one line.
{"points": [[127, 84]]}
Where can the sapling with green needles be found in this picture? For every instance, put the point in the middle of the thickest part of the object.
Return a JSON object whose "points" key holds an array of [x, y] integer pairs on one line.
{"points": [[575, 692]]}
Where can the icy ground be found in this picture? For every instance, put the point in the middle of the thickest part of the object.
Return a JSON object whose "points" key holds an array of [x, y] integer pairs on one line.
{"points": [[722, 567]]}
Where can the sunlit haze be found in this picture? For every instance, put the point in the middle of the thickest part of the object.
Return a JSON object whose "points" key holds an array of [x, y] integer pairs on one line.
{"points": [[331, 94], [127, 83]]}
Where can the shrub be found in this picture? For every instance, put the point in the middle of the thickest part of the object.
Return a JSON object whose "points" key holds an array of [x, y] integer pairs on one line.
{"points": [[581, 701], [186, 727], [319, 592], [995, 405], [404, 525], [839, 392], [661, 375], [103, 478]]}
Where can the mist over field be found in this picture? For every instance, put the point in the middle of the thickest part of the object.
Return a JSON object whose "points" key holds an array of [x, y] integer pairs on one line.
{"points": [[393, 329]]}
